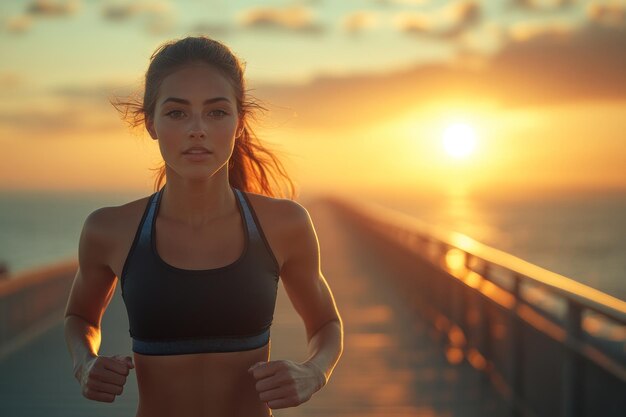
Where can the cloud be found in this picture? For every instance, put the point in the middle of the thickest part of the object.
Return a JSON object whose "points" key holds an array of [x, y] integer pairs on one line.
{"points": [[159, 16], [565, 65], [128, 10], [93, 92], [541, 5], [414, 23], [543, 69], [40, 8], [462, 15], [119, 11], [291, 18], [211, 29], [609, 14], [19, 24], [42, 122], [359, 21], [160, 25], [488, 38], [76, 109], [10, 80], [33, 120], [409, 2], [448, 22], [53, 8], [526, 31]]}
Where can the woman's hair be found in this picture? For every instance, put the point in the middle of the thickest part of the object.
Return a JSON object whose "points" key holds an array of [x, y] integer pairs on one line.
{"points": [[251, 165]]}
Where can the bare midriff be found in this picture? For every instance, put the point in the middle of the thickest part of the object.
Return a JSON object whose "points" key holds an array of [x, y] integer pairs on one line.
{"points": [[200, 385]]}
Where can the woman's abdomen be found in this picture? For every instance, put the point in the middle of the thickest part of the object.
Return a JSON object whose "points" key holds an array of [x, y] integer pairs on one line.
{"points": [[200, 385]]}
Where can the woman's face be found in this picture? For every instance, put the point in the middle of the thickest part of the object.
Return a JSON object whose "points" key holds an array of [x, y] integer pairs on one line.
{"points": [[195, 107]]}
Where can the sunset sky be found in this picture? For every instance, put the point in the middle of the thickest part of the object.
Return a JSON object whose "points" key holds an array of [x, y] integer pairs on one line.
{"points": [[359, 93]]}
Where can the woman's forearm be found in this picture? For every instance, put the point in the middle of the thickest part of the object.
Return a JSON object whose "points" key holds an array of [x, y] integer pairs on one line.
{"points": [[83, 340], [325, 348]]}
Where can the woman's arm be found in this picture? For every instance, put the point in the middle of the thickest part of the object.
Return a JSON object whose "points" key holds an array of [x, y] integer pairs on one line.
{"points": [[101, 378], [311, 296], [312, 299]]}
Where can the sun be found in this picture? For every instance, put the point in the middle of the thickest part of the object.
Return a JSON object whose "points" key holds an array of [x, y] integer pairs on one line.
{"points": [[459, 140]]}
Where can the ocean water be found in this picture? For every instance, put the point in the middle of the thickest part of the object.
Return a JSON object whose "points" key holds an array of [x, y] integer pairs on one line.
{"points": [[579, 235], [38, 228]]}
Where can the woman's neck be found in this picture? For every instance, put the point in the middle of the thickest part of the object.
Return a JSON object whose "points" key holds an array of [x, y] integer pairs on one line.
{"points": [[196, 203]]}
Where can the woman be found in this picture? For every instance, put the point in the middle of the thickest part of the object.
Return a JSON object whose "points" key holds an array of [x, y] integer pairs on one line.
{"points": [[199, 260]]}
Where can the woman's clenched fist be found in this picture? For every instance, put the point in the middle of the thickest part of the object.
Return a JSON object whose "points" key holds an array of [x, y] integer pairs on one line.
{"points": [[285, 383], [102, 378]]}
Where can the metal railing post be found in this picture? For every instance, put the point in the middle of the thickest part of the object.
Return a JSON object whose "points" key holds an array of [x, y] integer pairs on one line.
{"points": [[485, 334], [516, 358], [572, 366]]}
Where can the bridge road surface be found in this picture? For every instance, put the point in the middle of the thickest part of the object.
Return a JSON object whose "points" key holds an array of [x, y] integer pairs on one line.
{"points": [[391, 364]]}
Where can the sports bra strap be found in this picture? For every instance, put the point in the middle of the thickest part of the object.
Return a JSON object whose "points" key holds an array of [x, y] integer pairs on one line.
{"points": [[144, 238], [253, 230]]}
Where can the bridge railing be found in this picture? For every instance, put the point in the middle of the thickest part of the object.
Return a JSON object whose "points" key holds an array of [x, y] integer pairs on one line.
{"points": [[550, 345], [32, 301]]}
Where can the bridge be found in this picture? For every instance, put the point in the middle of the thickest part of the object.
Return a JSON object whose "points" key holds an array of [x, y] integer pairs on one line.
{"points": [[436, 325]]}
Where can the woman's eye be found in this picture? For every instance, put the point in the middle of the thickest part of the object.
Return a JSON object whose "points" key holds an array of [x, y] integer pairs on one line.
{"points": [[177, 114], [174, 114], [218, 113]]}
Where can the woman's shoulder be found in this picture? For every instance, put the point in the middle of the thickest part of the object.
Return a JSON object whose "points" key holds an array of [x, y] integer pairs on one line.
{"points": [[109, 221], [284, 222], [108, 232], [280, 213]]}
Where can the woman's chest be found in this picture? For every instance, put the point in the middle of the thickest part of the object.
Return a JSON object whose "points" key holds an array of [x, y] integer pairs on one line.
{"points": [[199, 249]]}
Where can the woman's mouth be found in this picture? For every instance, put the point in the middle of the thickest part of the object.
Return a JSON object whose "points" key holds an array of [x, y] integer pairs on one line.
{"points": [[196, 155]]}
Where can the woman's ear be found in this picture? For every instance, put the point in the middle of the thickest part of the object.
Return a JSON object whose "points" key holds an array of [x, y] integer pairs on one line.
{"points": [[150, 127], [240, 128]]}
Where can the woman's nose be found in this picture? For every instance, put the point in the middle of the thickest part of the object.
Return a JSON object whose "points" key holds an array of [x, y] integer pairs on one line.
{"points": [[196, 133], [197, 127]]}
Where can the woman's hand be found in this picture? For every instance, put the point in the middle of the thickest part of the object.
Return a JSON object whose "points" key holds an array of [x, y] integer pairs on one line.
{"points": [[284, 383], [102, 378]]}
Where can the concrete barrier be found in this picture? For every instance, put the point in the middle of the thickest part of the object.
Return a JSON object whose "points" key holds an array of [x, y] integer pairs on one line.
{"points": [[33, 301]]}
